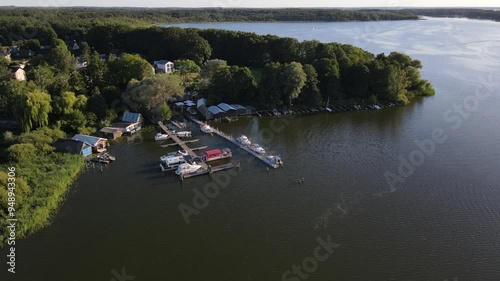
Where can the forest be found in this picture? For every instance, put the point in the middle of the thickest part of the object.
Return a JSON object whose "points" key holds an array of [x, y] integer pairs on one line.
{"points": [[484, 14], [81, 90]]}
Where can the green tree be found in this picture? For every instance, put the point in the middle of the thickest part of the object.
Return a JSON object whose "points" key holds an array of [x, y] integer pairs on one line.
{"points": [[44, 76], [310, 94], [208, 70], [329, 76], [292, 80], [149, 95], [187, 69], [32, 109], [5, 72], [128, 67], [95, 72], [269, 86], [61, 58]]}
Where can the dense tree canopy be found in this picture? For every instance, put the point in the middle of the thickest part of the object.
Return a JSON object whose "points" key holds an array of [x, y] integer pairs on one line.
{"points": [[150, 95]]}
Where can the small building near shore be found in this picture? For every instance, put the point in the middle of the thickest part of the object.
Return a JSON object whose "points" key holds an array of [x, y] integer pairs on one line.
{"points": [[130, 123], [111, 133], [72, 146], [228, 109], [241, 110], [217, 111], [98, 144]]}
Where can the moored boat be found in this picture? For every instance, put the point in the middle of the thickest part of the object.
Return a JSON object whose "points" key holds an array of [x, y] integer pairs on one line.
{"points": [[257, 148], [184, 134], [216, 154], [186, 168], [161, 137], [244, 140], [171, 163], [205, 128]]}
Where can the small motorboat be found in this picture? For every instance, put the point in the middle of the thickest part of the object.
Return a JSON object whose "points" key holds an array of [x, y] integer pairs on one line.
{"points": [[187, 168], [184, 134], [205, 128], [182, 152], [257, 148], [161, 137], [244, 140], [275, 159], [170, 155], [108, 157]]}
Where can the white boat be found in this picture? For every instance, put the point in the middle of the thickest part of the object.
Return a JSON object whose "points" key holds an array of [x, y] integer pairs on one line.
{"points": [[182, 152], [257, 148], [171, 162], [205, 128], [170, 155], [186, 168], [244, 140], [276, 160], [327, 104], [184, 134], [161, 137]]}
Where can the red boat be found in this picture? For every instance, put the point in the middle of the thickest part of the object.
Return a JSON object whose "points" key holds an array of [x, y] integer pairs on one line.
{"points": [[216, 154]]}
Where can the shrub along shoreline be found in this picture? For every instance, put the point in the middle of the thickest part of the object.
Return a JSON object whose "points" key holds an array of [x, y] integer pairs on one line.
{"points": [[43, 178]]}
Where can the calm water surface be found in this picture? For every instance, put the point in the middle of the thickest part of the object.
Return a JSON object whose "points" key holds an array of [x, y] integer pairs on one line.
{"points": [[441, 223]]}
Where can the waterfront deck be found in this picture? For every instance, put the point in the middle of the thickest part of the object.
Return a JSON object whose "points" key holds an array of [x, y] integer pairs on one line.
{"points": [[261, 157]]}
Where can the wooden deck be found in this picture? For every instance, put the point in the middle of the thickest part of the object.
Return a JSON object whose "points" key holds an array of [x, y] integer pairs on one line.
{"points": [[263, 158]]}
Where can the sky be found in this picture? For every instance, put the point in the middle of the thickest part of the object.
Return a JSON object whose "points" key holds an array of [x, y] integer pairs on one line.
{"points": [[255, 3]]}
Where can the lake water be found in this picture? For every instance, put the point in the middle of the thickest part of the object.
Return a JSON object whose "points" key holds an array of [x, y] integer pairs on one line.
{"points": [[441, 223]]}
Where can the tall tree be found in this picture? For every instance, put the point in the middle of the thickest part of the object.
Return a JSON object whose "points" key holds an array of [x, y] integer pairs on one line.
{"points": [[150, 95], [292, 79], [310, 94], [32, 109], [129, 67], [95, 72]]}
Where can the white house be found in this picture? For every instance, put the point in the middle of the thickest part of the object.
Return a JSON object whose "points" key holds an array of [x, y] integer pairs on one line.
{"points": [[18, 73], [164, 66]]}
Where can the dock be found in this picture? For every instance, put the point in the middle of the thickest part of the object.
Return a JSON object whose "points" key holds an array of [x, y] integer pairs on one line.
{"points": [[205, 169], [263, 158], [176, 143], [209, 170], [181, 143], [179, 125]]}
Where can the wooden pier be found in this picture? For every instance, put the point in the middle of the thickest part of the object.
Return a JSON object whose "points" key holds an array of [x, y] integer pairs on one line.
{"points": [[205, 169], [209, 170], [181, 143], [175, 143], [263, 158], [179, 125]]}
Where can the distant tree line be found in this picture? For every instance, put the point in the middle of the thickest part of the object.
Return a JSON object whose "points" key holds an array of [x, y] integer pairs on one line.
{"points": [[485, 14]]}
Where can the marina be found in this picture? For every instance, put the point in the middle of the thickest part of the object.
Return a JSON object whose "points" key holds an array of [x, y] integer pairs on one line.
{"points": [[271, 160], [190, 157]]}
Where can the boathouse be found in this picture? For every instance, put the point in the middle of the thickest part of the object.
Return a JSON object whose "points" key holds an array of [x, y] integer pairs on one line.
{"points": [[228, 110], [111, 133], [217, 111], [98, 144], [130, 123], [72, 146]]}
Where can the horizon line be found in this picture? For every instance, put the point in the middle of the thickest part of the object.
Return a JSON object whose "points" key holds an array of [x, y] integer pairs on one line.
{"points": [[235, 8]]}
